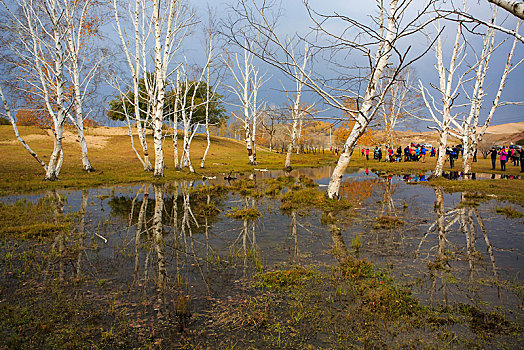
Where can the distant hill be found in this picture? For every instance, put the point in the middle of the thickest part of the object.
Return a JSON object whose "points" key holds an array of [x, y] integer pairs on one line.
{"points": [[510, 128], [495, 134]]}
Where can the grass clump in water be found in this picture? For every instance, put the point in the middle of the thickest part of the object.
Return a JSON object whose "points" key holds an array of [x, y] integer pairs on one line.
{"points": [[475, 196], [311, 197], [387, 222], [28, 220], [306, 181], [510, 212], [285, 279], [210, 209], [247, 188], [300, 198], [375, 290], [244, 213], [468, 203], [273, 190]]}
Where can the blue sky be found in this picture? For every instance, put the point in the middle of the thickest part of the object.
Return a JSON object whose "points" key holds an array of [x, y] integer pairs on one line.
{"points": [[295, 19]]}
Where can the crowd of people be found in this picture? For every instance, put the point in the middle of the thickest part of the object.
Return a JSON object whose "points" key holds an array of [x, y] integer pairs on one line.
{"points": [[408, 154], [418, 153], [506, 154]]}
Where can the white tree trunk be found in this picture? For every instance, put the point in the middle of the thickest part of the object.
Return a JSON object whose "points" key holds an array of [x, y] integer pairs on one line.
{"points": [[296, 112], [363, 119], [54, 165], [158, 103], [208, 92], [158, 237], [441, 159], [292, 142], [441, 222], [512, 6], [345, 156], [74, 44]]}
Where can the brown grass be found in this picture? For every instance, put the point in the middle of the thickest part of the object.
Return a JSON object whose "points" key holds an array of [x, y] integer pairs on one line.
{"points": [[115, 162]]}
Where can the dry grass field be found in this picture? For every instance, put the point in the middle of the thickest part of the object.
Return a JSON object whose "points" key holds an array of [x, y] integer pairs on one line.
{"points": [[115, 162]]}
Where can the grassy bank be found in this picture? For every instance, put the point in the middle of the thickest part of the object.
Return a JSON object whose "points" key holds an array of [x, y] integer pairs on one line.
{"points": [[116, 163]]}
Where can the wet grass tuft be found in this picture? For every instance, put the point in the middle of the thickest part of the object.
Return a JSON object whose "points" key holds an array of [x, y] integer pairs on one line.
{"points": [[468, 203], [285, 279], [306, 181], [387, 222], [487, 323], [510, 212], [244, 213], [27, 220], [311, 197]]}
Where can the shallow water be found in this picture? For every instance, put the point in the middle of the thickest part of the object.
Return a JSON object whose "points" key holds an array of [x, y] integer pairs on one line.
{"points": [[140, 239]]}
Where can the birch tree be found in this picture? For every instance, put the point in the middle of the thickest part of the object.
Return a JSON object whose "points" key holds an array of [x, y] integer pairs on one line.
{"points": [[159, 29], [297, 113], [135, 61], [76, 16], [39, 64], [452, 116], [377, 42], [469, 129], [210, 94], [186, 97], [442, 114], [247, 83]]}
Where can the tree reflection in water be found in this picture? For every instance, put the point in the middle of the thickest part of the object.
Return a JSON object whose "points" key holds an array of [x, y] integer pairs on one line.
{"points": [[447, 274]]}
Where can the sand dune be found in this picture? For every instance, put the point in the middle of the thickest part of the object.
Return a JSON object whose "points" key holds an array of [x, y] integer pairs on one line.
{"points": [[510, 128]]}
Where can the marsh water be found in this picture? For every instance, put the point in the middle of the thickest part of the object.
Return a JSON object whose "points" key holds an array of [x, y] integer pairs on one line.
{"points": [[153, 245]]}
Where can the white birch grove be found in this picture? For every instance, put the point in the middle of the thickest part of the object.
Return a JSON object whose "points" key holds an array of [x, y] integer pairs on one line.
{"points": [[377, 42], [247, 83], [442, 114], [469, 129], [38, 49], [297, 114], [50, 55], [453, 117], [159, 30]]}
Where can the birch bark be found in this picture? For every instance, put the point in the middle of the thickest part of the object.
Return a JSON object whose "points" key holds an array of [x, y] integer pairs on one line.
{"points": [[247, 84], [296, 112], [75, 24], [512, 6], [364, 117], [443, 116]]}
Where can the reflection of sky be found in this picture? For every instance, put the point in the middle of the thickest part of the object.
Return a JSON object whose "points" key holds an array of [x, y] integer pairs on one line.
{"points": [[276, 245]]}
